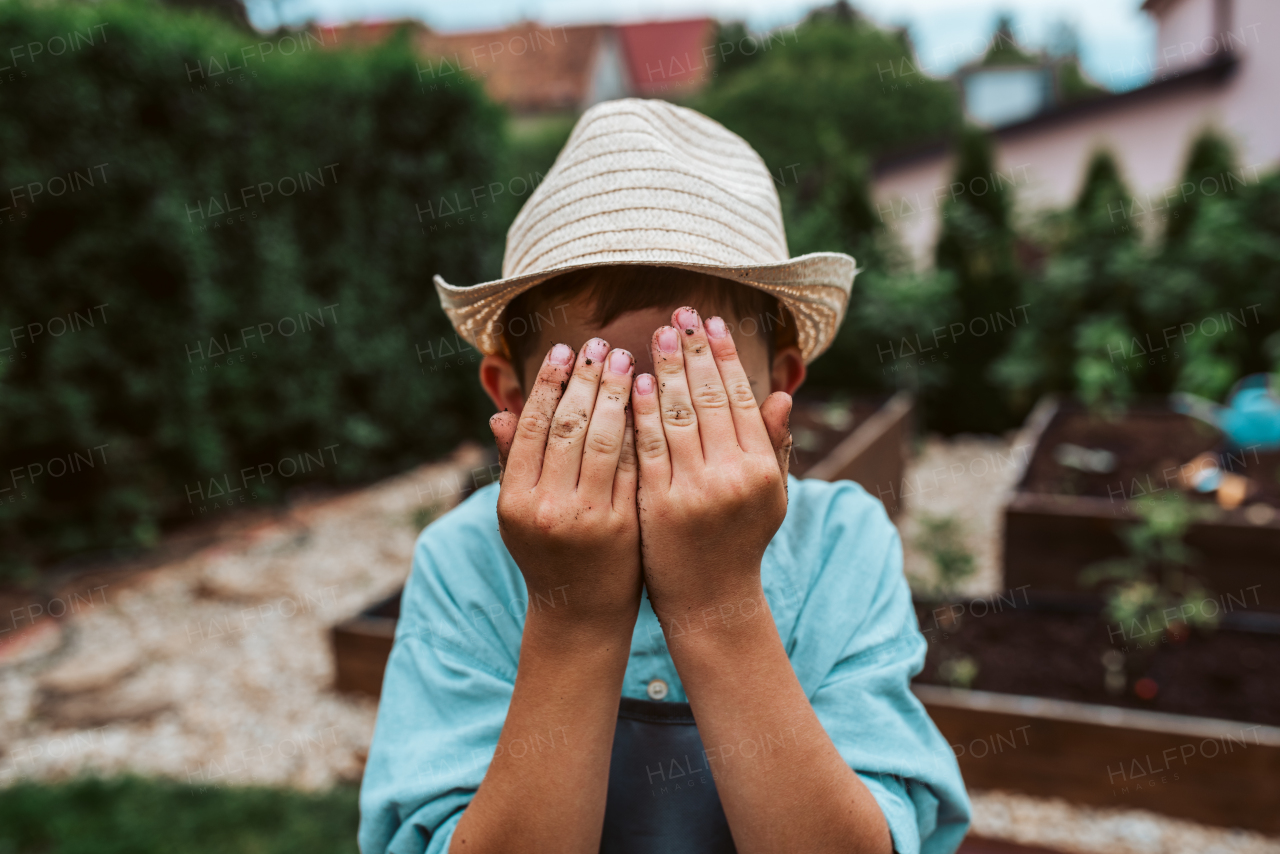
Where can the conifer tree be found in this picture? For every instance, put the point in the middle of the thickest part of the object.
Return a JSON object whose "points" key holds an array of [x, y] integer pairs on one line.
{"points": [[976, 246]]}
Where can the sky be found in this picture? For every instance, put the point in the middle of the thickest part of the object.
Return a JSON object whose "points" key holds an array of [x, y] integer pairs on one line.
{"points": [[1116, 38]]}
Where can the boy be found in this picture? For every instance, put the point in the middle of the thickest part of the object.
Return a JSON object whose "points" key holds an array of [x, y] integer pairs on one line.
{"points": [[645, 561]]}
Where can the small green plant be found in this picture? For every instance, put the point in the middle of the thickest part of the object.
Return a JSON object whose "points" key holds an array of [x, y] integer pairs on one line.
{"points": [[1114, 678], [1105, 390], [958, 671], [942, 538], [1153, 579]]}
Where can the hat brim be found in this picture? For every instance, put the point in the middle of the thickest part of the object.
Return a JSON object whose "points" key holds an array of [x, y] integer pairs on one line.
{"points": [[814, 288]]}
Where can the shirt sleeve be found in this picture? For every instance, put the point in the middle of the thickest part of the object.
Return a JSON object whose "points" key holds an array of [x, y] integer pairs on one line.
{"points": [[445, 695], [858, 626], [439, 739]]}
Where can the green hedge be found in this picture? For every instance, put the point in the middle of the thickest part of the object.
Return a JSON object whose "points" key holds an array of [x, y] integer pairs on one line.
{"points": [[174, 189]]}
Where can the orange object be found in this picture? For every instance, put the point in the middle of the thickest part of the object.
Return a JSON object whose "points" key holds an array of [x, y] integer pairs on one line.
{"points": [[1233, 490]]}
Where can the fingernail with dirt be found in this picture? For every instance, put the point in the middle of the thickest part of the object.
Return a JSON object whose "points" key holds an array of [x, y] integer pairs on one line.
{"points": [[561, 354], [619, 361], [596, 350]]}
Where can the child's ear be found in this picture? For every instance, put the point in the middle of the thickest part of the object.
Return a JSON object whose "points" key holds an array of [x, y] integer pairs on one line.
{"points": [[499, 379], [788, 370]]}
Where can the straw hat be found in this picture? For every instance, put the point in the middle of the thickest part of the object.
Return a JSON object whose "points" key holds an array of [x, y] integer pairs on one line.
{"points": [[647, 182]]}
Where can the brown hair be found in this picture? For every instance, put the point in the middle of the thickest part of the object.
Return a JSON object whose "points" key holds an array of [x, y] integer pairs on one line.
{"points": [[616, 289]]}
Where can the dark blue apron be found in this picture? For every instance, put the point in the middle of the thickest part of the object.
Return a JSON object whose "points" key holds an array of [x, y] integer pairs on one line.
{"points": [[662, 799]]}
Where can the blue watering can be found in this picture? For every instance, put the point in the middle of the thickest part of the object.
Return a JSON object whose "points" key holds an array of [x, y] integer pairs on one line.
{"points": [[1250, 418]]}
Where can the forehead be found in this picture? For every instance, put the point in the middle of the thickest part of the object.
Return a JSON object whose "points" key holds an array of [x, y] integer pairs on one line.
{"points": [[571, 320], [574, 315], [631, 330]]}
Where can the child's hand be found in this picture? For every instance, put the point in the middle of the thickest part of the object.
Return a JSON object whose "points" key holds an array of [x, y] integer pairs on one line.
{"points": [[712, 469], [566, 509]]}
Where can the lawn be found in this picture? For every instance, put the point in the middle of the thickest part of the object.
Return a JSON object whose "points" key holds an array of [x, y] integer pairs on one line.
{"points": [[132, 815]]}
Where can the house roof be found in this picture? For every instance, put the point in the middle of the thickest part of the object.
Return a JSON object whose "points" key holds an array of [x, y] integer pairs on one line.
{"points": [[667, 56], [528, 67], [533, 68], [364, 34], [1209, 74]]}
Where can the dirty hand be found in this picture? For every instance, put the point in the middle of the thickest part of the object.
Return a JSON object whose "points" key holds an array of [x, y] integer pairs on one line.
{"points": [[712, 469], [567, 505]]}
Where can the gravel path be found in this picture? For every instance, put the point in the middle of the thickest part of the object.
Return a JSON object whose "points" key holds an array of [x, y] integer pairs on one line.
{"points": [[1056, 824], [216, 667], [968, 479]]}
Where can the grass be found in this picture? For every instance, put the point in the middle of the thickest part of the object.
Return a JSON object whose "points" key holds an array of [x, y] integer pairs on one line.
{"points": [[132, 815]]}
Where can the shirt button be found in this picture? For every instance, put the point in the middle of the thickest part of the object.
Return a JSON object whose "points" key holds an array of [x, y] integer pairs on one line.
{"points": [[657, 689]]}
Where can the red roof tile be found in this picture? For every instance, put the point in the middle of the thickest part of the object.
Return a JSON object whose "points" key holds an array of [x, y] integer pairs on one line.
{"points": [[534, 69], [669, 57], [529, 68]]}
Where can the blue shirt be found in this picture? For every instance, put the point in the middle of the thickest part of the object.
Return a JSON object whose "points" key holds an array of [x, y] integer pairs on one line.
{"points": [[833, 578]]}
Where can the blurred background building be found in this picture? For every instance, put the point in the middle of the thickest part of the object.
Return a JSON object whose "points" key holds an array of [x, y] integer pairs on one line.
{"points": [[537, 70], [1212, 68]]}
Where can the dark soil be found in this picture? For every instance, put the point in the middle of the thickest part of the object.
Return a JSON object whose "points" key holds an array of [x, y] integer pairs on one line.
{"points": [[1227, 674], [1149, 444]]}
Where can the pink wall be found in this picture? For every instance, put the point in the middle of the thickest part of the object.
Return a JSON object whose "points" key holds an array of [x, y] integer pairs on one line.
{"points": [[1181, 30]]}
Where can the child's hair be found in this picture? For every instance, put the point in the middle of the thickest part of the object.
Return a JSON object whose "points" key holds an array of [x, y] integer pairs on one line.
{"points": [[614, 290]]}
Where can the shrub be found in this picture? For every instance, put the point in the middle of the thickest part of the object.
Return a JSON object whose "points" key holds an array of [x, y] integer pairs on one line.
{"points": [[1140, 297], [226, 269], [836, 75], [818, 103], [976, 245]]}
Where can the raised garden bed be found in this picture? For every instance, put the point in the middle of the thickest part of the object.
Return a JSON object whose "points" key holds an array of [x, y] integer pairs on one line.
{"points": [[1036, 714], [863, 441], [1060, 519], [1216, 772], [362, 645], [1020, 647]]}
